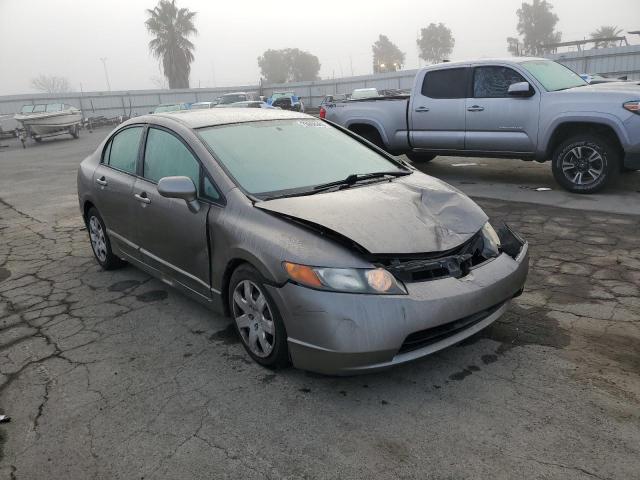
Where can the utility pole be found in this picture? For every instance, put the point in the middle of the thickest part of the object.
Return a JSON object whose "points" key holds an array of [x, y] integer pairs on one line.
{"points": [[106, 74]]}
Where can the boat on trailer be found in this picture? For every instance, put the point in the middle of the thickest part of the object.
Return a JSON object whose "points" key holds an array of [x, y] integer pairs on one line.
{"points": [[47, 120]]}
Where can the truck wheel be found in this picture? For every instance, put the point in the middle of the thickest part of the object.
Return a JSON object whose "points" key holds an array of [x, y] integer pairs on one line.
{"points": [[416, 157], [585, 163]]}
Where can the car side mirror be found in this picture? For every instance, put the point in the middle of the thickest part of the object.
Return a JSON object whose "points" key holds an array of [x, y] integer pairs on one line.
{"points": [[521, 89], [182, 188]]}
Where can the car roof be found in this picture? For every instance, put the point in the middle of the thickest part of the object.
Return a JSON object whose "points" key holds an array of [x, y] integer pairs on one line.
{"points": [[224, 116], [482, 61]]}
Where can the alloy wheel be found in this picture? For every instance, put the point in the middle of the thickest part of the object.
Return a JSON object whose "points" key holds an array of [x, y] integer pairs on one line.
{"points": [[583, 165], [254, 319], [98, 240]]}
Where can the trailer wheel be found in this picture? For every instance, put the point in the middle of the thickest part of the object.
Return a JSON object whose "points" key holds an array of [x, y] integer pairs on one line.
{"points": [[75, 131], [37, 139]]}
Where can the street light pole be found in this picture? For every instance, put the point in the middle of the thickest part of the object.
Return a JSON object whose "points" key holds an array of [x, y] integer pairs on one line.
{"points": [[106, 75]]}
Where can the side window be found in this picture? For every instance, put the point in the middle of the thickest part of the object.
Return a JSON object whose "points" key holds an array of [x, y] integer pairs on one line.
{"points": [[166, 156], [448, 83], [123, 149], [494, 82]]}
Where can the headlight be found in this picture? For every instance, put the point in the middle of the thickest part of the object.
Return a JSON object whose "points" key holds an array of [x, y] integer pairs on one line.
{"points": [[349, 280], [491, 241]]}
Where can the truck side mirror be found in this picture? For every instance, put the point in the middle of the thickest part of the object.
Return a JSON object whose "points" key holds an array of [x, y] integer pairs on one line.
{"points": [[521, 89]]}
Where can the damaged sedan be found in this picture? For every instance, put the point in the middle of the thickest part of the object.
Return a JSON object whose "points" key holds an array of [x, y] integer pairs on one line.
{"points": [[324, 250]]}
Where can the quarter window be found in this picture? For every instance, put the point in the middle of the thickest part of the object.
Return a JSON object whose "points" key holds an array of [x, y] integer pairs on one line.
{"points": [[494, 82], [122, 152], [448, 83]]}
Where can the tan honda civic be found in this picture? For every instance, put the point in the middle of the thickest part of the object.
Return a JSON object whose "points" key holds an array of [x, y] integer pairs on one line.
{"points": [[326, 252]]}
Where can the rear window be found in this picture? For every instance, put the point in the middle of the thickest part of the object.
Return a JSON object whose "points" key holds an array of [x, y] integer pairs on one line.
{"points": [[449, 83]]}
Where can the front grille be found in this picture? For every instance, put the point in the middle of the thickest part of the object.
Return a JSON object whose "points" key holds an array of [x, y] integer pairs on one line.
{"points": [[423, 338], [453, 263]]}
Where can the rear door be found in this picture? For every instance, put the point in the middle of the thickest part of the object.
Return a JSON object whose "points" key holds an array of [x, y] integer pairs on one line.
{"points": [[437, 109], [114, 179], [497, 122], [173, 239]]}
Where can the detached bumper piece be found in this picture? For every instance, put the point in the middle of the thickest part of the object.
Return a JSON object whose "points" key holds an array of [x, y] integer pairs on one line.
{"points": [[511, 243]]}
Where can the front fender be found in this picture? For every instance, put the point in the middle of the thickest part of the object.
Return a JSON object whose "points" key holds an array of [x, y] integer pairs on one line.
{"points": [[600, 118]]}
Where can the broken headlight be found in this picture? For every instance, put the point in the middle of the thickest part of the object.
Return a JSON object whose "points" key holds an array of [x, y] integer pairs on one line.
{"points": [[491, 241], [347, 280]]}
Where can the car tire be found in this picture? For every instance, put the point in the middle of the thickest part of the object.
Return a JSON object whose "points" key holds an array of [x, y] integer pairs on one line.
{"points": [[416, 157], [257, 319], [100, 243], [585, 163]]}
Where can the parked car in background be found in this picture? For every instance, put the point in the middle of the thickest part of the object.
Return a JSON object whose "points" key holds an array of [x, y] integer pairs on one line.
{"points": [[595, 79], [170, 107], [286, 101], [324, 250], [201, 105], [235, 97], [338, 97], [360, 93], [528, 108], [247, 104]]}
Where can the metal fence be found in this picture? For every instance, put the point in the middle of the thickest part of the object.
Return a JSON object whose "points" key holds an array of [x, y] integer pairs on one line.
{"points": [[609, 61], [139, 102], [616, 61]]}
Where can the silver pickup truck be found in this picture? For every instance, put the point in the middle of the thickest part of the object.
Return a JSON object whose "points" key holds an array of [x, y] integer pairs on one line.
{"points": [[527, 108]]}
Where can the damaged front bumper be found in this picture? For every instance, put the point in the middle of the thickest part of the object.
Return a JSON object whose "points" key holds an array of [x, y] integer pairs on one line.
{"points": [[343, 334]]}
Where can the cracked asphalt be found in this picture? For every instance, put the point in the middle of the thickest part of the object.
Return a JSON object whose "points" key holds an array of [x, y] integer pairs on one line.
{"points": [[113, 375]]}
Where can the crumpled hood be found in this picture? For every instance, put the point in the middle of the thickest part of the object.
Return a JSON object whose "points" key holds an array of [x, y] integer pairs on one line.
{"points": [[413, 214]]}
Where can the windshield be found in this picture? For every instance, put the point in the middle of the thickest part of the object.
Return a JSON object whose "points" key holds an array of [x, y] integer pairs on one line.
{"points": [[290, 155], [553, 76], [226, 99]]}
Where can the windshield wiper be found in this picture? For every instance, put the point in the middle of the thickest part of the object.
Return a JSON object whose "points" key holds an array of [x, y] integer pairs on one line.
{"points": [[360, 177], [344, 183]]}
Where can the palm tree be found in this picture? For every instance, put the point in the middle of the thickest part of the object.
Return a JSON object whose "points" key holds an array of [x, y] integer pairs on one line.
{"points": [[606, 31], [171, 26]]}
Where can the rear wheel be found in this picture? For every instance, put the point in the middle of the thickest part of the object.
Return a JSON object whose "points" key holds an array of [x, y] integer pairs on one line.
{"points": [[257, 319], [585, 163], [417, 157], [100, 243]]}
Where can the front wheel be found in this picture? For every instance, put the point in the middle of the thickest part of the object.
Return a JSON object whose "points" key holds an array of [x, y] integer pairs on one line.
{"points": [[257, 319], [585, 164], [416, 157]]}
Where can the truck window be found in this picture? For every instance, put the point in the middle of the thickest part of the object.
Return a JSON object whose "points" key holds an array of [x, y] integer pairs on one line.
{"points": [[494, 82], [448, 83]]}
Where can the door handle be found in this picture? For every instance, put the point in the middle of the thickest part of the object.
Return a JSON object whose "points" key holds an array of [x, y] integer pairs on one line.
{"points": [[422, 109], [101, 181], [475, 108], [141, 198]]}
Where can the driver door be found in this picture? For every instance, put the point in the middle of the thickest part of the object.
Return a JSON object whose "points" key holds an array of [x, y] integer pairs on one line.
{"points": [[497, 122]]}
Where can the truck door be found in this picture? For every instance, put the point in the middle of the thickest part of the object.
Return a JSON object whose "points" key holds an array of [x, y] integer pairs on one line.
{"points": [[496, 121], [437, 109]]}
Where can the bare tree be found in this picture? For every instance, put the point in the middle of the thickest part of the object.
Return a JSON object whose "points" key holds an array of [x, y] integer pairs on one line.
{"points": [[50, 84]]}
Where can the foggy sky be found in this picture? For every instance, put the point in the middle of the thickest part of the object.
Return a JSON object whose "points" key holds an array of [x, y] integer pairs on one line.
{"points": [[68, 37]]}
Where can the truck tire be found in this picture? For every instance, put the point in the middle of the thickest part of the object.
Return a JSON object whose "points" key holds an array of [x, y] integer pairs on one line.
{"points": [[585, 163], [417, 157]]}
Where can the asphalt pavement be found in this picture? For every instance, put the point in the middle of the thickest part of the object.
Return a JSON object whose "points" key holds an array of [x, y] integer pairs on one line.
{"points": [[114, 375]]}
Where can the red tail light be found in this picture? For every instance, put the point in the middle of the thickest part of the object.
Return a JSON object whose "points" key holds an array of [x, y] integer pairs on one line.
{"points": [[323, 112]]}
